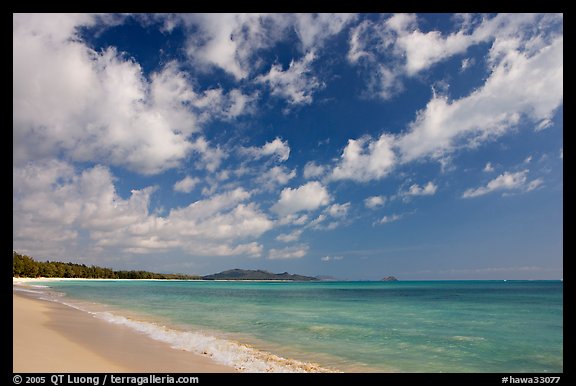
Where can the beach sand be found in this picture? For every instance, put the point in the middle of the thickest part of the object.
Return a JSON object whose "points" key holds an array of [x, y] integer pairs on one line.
{"points": [[52, 337]]}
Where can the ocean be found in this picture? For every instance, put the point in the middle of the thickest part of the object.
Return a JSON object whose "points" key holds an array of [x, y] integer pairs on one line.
{"points": [[405, 326]]}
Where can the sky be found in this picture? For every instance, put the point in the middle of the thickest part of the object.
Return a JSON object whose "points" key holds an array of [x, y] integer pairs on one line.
{"points": [[355, 146]]}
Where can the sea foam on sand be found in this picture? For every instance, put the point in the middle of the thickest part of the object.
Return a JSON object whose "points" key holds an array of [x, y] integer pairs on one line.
{"points": [[241, 357]]}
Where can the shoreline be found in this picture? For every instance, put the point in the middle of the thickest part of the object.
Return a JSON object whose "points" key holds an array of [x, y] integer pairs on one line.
{"points": [[53, 337], [228, 354]]}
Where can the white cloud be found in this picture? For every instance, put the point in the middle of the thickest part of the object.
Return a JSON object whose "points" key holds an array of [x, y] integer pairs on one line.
{"points": [[211, 157], [528, 159], [364, 159], [312, 170], [296, 83], [293, 219], [466, 63], [275, 176], [393, 48], [488, 168], [525, 83], [369, 44], [427, 190], [228, 41], [53, 204], [374, 201], [521, 85], [331, 217], [57, 209], [338, 210], [289, 237], [333, 258], [296, 252], [505, 181], [186, 184], [277, 148], [314, 28], [235, 104], [309, 196], [358, 42], [232, 41], [391, 218], [543, 124], [406, 51], [97, 106], [422, 50], [534, 184]]}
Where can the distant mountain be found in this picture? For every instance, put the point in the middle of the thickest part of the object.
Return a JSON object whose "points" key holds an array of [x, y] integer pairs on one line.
{"points": [[248, 274], [389, 278]]}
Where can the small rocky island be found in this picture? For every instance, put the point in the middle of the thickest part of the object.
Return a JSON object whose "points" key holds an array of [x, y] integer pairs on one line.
{"points": [[389, 278]]}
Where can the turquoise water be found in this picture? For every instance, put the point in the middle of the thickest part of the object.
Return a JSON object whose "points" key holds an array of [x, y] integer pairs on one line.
{"points": [[433, 326]]}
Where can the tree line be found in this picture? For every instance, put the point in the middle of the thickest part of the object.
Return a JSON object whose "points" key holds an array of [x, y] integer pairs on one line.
{"points": [[26, 266]]}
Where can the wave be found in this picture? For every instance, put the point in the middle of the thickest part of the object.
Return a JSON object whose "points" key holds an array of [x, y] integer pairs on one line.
{"points": [[242, 357], [25, 289]]}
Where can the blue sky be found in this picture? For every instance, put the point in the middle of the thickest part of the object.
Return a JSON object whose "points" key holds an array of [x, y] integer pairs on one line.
{"points": [[352, 145]]}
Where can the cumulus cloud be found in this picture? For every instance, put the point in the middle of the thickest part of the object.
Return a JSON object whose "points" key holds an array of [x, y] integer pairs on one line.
{"points": [[466, 64], [279, 149], [315, 28], [488, 168], [331, 258], [522, 85], [186, 184], [310, 196], [313, 170], [295, 252], [232, 41], [393, 47], [53, 203], [331, 217], [427, 190], [289, 237], [57, 207], [374, 201], [227, 41], [98, 106], [365, 159], [389, 218], [338, 210], [383, 76], [296, 84], [525, 83], [422, 50], [506, 181], [275, 176], [210, 157]]}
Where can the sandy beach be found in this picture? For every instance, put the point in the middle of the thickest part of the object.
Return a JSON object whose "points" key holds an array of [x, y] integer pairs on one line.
{"points": [[52, 337]]}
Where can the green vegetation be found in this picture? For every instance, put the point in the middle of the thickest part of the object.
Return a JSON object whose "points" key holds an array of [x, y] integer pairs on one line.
{"points": [[25, 266]]}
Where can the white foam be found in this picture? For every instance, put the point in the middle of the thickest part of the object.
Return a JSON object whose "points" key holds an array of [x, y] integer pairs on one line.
{"points": [[242, 357], [25, 289]]}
